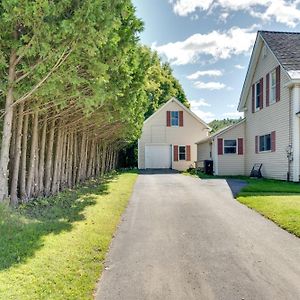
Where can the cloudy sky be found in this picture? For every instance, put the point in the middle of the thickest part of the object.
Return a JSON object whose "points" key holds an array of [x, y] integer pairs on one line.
{"points": [[209, 42]]}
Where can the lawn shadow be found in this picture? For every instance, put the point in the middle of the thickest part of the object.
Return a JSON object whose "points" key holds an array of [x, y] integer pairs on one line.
{"points": [[22, 230]]}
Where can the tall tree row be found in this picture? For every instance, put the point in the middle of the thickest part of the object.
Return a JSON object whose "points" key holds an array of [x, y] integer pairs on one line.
{"points": [[72, 91]]}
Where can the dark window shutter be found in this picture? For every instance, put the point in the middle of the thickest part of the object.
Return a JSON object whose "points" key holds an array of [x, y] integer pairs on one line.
{"points": [[278, 84], [256, 144], [168, 118], [268, 89], [220, 146], [180, 118], [253, 98], [273, 141], [188, 153], [261, 96], [240, 146], [175, 153]]}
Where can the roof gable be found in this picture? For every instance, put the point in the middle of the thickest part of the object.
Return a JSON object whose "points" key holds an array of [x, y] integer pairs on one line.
{"points": [[259, 42], [182, 107]]}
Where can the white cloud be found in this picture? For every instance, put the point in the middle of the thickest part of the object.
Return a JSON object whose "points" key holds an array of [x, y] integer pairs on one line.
{"points": [[212, 85], [199, 103], [233, 114], [206, 116], [231, 105], [282, 11], [212, 73], [217, 44], [240, 67]]}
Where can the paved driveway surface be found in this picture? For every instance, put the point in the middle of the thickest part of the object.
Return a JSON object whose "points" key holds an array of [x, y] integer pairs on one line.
{"points": [[185, 238]]}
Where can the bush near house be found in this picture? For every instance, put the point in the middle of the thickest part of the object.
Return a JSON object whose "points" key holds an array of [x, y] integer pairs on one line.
{"points": [[54, 248]]}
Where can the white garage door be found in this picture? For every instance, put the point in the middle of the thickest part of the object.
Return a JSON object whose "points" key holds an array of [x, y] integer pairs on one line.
{"points": [[158, 156]]}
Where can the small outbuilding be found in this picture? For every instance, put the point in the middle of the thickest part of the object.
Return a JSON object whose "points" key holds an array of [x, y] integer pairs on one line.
{"points": [[226, 148]]}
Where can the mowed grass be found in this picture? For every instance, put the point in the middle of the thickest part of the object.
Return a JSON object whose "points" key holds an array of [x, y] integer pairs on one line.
{"points": [[54, 248], [277, 200]]}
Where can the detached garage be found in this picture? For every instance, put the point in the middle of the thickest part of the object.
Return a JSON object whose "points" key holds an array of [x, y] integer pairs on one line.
{"points": [[169, 136]]}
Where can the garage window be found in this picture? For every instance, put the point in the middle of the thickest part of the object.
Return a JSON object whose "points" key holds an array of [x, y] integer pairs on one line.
{"points": [[174, 118], [182, 153], [229, 146]]}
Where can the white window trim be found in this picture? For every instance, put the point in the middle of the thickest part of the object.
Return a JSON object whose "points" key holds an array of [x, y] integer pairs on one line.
{"points": [[171, 118], [272, 101], [264, 151], [179, 152], [236, 146], [255, 96]]}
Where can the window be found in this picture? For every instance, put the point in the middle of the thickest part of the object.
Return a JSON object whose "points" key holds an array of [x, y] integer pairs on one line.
{"points": [[182, 153], [265, 143], [174, 118], [272, 87], [229, 146], [257, 95]]}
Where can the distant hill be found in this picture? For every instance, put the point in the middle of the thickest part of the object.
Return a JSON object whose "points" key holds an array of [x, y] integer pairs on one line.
{"points": [[219, 124]]}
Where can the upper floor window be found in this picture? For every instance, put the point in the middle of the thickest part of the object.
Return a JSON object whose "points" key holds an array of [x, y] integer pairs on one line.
{"points": [[174, 118], [272, 91], [257, 98], [229, 146], [265, 143]]}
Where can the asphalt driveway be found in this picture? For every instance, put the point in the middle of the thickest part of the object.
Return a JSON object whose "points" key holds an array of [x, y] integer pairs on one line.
{"points": [[185, 238]]}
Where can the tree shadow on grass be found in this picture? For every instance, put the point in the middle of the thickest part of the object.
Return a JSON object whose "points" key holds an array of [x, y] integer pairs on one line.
{"points": [[22, 230]]}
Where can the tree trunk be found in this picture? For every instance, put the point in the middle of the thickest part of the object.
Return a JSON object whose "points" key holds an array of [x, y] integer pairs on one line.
{"points": [[33, 153], [7, 124], [56, 161], [16, 165], [49, 168], [23, 194], [42, 157]]}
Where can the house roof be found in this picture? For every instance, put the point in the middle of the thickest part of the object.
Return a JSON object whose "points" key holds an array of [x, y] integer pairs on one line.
{"points": [[221, 131], [173, 99], [285, 47]]}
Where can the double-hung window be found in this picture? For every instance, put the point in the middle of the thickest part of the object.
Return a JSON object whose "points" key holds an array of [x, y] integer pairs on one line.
{"points": [[258, 92], [230, 146], [272, 91], [182, 153], [174, 118], [265, 143]]}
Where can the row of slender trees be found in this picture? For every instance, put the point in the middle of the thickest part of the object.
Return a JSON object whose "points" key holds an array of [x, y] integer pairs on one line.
{"points": [[75, 87]]}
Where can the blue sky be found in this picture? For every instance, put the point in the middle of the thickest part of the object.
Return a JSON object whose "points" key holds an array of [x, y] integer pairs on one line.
{"points": [[209, 42]]}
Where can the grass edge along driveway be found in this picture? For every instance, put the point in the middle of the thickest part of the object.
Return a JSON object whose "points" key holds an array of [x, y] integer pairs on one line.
{"points": [[55, 248], [279, 201]]}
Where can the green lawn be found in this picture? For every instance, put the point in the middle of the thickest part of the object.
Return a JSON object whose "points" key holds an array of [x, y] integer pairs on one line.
{"points": [[54, 248]]}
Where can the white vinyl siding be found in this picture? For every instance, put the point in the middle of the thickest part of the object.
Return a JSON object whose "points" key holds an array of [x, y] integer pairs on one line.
{"points": [[275, 118]]}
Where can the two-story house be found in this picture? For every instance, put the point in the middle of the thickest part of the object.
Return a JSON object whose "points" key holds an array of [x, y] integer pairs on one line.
{"points": [[169, 136], [270, 100]]}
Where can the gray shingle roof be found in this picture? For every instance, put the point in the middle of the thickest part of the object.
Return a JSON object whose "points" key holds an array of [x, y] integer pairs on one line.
{"points": [[285, 46]]}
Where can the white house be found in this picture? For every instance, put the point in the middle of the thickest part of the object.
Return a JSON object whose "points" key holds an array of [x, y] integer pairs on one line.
{"points": [[169, 136], [270, 100]]}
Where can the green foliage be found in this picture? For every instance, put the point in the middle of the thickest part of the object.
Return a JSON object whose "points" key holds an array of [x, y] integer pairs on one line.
{"points": [[55, 248], [217, 125]]}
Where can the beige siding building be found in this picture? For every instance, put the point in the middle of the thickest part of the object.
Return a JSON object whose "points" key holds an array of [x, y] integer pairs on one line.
{"points": [[169, 136], [270, 100]]}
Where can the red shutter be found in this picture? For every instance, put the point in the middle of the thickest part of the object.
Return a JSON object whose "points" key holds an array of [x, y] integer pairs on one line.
{"points": [[278, 84], [261, 96], [220, 146], [268, 89], [188, 153], [256, 144], [168, 118], [240, 146], [180, 118], [273, 141], [175, 158], [253, 98]]}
